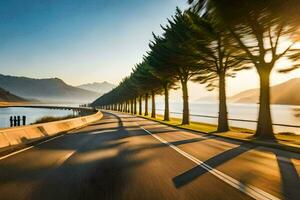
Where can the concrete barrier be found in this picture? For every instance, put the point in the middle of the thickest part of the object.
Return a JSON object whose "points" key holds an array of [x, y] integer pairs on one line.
{"points": [[10, 137]]}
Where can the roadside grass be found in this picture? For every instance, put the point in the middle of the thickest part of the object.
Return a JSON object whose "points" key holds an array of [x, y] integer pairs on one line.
{"points": [[289, 139], [46, 119]]}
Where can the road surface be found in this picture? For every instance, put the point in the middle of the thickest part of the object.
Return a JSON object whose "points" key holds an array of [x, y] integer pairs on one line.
{"points": [[126, 157]]}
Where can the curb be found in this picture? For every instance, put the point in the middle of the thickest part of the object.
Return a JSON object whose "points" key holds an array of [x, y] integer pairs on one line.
{"points": [[10, 149]]}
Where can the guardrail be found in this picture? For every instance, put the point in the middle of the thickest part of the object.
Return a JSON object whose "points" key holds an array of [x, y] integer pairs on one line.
{"points": [[51, 107], [235, 119]]}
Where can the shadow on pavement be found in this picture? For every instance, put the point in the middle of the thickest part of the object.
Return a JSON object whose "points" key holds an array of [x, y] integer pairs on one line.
{"points": [[194, 173], [289, 176]]}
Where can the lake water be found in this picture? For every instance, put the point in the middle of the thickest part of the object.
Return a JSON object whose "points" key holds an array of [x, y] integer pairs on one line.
{"points": [[281, 114], [32, 114]]}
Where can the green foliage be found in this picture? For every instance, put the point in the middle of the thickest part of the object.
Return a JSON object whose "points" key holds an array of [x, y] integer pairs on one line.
{"points": [[266, 31], [212, 40]]}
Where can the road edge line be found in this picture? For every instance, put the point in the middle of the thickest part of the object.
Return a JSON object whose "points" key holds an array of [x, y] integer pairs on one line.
{"points": [[30, 147], [249, 190]]}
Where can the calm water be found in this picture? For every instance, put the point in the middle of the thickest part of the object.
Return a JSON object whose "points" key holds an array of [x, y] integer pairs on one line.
{"points": [[32, 114], [281, 114]]}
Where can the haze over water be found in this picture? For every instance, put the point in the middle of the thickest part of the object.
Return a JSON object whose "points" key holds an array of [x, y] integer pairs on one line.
{"points": [[281, 114]]}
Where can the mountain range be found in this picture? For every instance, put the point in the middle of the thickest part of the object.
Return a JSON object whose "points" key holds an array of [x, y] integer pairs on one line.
{"points": [[6, 96], [284, 93], [50, 89], [13, 88], [101, 88]]}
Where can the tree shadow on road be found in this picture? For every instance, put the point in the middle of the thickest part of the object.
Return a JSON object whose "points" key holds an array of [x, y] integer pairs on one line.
{"points": [[192, 174], [88, 172], [290, 182], [289, 176]]}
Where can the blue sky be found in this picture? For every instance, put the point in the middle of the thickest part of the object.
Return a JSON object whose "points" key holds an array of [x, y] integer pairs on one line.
{"points": [[78, 40], [83, 41]]}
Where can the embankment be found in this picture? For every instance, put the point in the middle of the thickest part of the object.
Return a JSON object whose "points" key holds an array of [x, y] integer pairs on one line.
{"points": [[11, 138]]}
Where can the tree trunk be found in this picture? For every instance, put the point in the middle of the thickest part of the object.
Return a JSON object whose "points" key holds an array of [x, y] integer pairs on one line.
{"points": [[134, 106], [140, 105], [131, 106], [167, 112], [223, 115], [264, 128], [185, 98], [153, 114], [146, 104]]}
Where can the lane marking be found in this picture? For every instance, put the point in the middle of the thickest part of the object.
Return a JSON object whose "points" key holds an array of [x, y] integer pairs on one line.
{"points": [[50, 139], [65, 158], [16, 152], [30, 147], [249, 190]]}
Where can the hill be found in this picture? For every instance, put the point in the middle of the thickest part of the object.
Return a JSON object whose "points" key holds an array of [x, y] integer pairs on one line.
{"points": [[101, 88], [284, 93], [51, 89], [6, 96]]}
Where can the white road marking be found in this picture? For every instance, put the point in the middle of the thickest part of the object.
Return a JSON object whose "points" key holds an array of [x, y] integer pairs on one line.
{"points": [[250, 190], [104, 131], [27, 148], [30, 147], [65, 157], [16, 152], [50, 139]]}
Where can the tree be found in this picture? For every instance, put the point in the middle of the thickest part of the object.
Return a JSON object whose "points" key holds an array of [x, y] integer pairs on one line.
{"points": [[124, 93], [148, 83], [171, 57], [210, 45], [167, 80], [266, 31]]}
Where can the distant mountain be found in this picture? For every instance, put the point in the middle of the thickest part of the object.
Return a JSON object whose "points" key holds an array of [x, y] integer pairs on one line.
{"points": [[284, 93], [6, 96], [98, 87], [50, 89]]}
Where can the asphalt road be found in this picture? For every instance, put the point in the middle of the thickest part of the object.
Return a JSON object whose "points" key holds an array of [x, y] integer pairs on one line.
{"points": [[126, 157]]}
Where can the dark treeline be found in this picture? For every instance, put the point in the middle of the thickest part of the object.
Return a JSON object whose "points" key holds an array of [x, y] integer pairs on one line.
{"points": [[210, 41]]}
